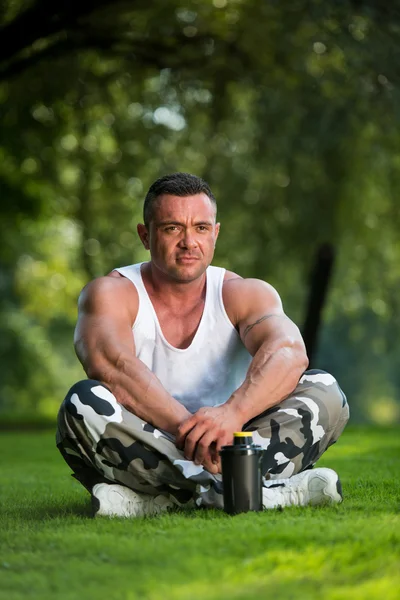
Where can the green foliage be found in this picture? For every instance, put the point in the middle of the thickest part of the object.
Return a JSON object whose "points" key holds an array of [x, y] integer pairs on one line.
{"points": [[289, 113], [50, 548]]}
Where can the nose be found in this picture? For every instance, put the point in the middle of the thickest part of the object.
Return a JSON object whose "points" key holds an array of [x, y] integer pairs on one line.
{"points": [[188, 241]]}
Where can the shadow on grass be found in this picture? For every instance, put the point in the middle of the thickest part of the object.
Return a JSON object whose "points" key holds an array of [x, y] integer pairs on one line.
{"points": [[49, 510], [55, 509]]}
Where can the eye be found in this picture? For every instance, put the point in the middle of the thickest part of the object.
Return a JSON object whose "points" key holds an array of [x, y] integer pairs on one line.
{"points": [[202, 228], [171, 228]]}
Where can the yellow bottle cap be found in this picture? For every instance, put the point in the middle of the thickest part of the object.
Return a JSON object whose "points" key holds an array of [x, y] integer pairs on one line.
{"points": [[239, 434]]}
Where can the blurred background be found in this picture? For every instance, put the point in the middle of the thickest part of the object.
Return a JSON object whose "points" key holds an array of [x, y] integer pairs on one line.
{"points": [[290, 111]]}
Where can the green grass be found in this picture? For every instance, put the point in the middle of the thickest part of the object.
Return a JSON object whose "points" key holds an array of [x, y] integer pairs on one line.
{"points": [[51, 548]]}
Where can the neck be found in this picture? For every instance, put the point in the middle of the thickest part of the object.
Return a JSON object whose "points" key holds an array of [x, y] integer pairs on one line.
{"points": [[171, 290]]}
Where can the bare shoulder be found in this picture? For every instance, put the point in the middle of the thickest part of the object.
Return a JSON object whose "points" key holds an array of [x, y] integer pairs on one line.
{"points": [[229, 275], [109, 294], [254, 307], [242, 295]]}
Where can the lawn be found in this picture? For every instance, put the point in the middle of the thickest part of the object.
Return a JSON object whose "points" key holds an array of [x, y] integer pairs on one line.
{"points": [[51, 548]]}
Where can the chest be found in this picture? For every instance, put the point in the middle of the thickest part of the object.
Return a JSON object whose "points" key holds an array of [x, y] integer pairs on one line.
{"points": [[179, 327]]}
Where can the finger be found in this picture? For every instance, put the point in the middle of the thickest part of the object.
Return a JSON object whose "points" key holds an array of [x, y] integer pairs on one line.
{"points": [[210, 467], [213, 451], [208, 462], [202, 450], [183, 430], [216, 460], [224, 440], [221, 442], [191, 440], [217, 464]]}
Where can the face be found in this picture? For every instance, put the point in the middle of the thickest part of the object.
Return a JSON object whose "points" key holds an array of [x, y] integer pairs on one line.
{"points": [[181, 236]]}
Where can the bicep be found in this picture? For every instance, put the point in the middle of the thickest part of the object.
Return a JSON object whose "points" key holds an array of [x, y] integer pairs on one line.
{"points": [[263, 320], [104, 329], [273, 329]]}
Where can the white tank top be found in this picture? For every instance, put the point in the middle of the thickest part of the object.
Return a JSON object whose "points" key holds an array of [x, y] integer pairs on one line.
{"points": [[212, 367]]}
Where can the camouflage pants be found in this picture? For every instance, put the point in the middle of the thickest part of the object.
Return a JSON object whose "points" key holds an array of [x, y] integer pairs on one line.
{"points": [[102, 442]]}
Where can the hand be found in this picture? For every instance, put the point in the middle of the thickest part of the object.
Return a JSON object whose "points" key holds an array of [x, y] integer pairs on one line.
{"points": [[203, 434]]}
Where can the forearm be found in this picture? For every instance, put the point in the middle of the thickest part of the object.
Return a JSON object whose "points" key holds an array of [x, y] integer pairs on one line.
{"points": [[141, 392], [273, 374]]}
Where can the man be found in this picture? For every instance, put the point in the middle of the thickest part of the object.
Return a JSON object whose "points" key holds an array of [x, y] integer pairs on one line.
{"points": [[180, 355]]}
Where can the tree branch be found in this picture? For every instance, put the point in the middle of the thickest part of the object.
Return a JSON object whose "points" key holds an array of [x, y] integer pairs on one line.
{"points": [[153, 53], [41, 20]]}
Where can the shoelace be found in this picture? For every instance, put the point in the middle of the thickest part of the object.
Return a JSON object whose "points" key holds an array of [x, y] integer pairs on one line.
{"points": [[294, 494], [147, 506], [140, 506]]}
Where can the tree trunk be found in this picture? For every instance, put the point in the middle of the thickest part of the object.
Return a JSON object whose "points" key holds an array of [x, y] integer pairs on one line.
{"points": [[320, 280]]}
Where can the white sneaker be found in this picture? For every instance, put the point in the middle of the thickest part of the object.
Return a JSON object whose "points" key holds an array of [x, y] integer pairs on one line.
{"points": [[113, 500], [316, 486]]}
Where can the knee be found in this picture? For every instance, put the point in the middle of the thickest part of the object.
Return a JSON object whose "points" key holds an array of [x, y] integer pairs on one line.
{"points": [[326, 389], [88, 399], [80, 390]]}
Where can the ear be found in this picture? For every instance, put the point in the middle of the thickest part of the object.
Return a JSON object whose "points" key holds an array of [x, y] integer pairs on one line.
{"points": [[143, 233], [217, 226]]}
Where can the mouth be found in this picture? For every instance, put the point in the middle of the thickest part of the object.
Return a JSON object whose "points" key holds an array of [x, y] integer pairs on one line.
{"points": [[186, 259]]}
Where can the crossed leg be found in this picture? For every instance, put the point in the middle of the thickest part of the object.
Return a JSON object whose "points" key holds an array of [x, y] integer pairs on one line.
{"points": [[103, 442]]}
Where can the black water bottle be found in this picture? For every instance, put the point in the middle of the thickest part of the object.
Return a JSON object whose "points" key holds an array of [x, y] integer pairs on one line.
{"points": [[241, 474]]}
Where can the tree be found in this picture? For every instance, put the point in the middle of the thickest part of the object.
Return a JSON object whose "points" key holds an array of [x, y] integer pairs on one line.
{"points": [[287, 112]]}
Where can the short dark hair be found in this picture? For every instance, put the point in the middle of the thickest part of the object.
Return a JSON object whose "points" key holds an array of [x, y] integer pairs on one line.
{"points": [[176, 184]]}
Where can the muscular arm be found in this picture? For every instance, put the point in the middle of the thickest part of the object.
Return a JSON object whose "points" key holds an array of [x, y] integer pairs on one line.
{"points": [[279, 358], [274, 341], [105, 346]]}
